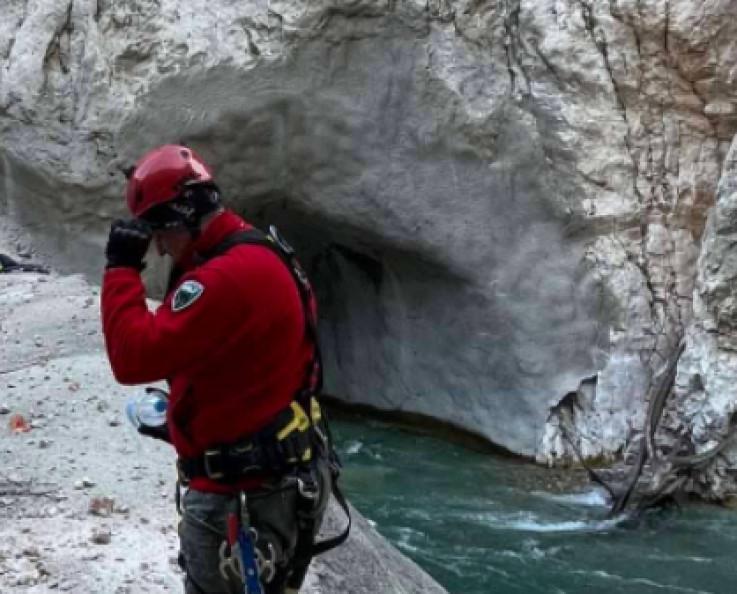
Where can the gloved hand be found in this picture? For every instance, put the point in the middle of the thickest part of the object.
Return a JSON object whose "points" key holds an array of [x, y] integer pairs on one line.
{"points": [[127, 244], [161, 432]]}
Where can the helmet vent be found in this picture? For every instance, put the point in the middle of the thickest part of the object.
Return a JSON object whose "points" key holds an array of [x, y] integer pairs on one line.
{"points": [[161, 174]]}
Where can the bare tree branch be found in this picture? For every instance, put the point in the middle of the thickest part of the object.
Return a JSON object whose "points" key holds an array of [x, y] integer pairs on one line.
{"points": [[657, 401]]}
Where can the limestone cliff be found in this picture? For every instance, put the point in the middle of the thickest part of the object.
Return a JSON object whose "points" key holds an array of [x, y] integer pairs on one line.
{"points": [[502, 202], [702, 412]]}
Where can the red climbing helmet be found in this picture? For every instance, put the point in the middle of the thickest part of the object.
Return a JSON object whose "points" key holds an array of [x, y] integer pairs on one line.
{"points": [[161, 175]]}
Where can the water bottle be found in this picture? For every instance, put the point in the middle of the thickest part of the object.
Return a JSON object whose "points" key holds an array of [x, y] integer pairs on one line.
{"points": [[148, 409]]}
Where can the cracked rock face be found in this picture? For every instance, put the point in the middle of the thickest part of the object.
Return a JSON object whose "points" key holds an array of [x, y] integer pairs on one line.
{"points": [[501, 203], [705, 397]]}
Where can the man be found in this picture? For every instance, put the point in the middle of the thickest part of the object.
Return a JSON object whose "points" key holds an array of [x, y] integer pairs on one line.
{"points": [[235, 338]]}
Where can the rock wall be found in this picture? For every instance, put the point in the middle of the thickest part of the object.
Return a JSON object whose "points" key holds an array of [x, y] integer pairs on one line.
{"points": [[704, 401], [502, 202]]}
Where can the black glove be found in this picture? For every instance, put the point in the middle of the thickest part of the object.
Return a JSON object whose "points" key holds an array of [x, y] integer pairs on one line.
{"points": [[127, 244], [161, 432]]}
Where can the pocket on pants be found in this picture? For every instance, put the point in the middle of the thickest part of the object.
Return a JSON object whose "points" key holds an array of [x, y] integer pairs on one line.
{"points": [[202, 530], [274, 516]]}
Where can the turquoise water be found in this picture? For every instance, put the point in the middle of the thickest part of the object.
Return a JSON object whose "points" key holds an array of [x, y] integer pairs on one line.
{"points": [[481, 524]]}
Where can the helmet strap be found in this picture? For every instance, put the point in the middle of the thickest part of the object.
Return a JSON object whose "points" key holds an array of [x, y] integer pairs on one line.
{"points": [[187, 210]]}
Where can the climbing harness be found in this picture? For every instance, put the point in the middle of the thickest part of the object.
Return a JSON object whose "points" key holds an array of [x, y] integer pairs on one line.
{"points": [[289, 446]]}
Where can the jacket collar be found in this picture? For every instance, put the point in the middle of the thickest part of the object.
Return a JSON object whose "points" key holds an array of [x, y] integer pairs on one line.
{"points": [[224, 224]]}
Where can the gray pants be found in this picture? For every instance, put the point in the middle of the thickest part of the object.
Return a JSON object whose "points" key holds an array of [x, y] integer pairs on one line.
{"points": [[273, 513]]}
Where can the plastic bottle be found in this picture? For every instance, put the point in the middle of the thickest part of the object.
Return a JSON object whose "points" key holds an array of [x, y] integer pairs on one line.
{"points": [[148, 409]]}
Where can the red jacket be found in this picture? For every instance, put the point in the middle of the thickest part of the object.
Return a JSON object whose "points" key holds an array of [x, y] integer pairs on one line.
{"points": [[234, 356]]}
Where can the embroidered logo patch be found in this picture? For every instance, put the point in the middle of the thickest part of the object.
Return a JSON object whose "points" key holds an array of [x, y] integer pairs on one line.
{"points": [[186, 295]]}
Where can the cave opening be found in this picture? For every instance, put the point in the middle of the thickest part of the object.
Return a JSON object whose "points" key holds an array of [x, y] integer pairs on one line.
{"points": [[375, 301]]}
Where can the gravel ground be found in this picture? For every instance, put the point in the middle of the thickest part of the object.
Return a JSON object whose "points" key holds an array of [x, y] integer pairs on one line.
{"points": [[87, 505]]}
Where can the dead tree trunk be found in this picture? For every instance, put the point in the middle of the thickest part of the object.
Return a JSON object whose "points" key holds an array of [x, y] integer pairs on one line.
{"points": [[655, 478]]}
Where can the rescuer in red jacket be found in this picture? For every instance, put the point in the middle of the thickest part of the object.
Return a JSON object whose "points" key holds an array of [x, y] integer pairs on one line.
{"points": [[235, 338]]}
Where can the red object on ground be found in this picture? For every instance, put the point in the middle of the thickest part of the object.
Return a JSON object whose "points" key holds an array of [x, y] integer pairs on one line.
{"points": [[18, 424]]}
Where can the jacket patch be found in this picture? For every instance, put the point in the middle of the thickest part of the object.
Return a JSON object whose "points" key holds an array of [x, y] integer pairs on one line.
{"points": [[186, 295]]}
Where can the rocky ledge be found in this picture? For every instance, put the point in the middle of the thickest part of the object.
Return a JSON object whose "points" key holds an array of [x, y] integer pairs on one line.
{"points": [[86, 504]]}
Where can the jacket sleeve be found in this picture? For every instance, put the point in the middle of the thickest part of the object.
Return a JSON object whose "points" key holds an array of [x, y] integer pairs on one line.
{"points": [[145, 346]]}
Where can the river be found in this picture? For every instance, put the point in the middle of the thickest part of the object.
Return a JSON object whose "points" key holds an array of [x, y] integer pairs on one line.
{"points": [[483, 524]]}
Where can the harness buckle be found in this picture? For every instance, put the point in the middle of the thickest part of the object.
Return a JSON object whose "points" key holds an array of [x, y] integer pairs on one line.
{"points": [[280, 241], [308, 489], [208, 458]]}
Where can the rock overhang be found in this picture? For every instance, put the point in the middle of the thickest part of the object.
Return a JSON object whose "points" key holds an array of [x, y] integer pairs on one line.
{"points": [[482, 147], [485, 308]]}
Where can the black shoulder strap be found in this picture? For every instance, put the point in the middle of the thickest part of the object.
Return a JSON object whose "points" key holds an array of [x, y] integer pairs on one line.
{"points": [[272, 241], [253, 236]]}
